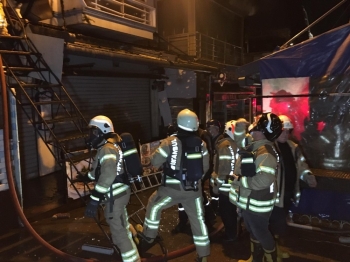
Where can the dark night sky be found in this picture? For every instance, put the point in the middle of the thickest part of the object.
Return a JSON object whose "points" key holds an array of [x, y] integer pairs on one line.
{"points": [[279, 14]]}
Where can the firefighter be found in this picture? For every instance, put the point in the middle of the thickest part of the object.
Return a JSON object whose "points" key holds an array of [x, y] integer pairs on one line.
{"points": [[209, 214], [293, 169], [214, 129], [254, 187], [222, 176], [112, 185], [185, 159]]}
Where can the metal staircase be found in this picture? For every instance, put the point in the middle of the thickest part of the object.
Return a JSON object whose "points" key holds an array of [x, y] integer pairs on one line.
{"points": [[35, 86]]}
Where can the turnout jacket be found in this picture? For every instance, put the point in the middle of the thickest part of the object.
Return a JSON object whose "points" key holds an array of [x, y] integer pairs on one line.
{"points": [[224, 165], [257, 193], [302, 168], [109, 175], [170, 150]]}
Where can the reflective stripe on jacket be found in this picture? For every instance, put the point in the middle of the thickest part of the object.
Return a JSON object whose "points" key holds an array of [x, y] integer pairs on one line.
{"points": [[257, 193], [170, 149], [110, 157], [224, 164], [302, 170]]}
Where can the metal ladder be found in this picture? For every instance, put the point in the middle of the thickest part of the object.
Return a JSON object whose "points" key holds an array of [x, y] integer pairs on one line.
{"points": [[28, 77], [147, 182]]}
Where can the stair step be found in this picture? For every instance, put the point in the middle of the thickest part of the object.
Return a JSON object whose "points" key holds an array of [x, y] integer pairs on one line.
{"points": [[12, 37], [47, 102], [27, 68], [11, 52], [30, 85], [59, 119], [75, 158], [70, 136]]}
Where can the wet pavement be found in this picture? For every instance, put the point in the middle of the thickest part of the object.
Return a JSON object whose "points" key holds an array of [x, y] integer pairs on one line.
{"points": [[70, 233]]}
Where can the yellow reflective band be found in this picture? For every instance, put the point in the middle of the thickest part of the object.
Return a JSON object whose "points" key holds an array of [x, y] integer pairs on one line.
{"points": [[266, 169], [107, 157], [221, 181], [225, 157], [129, 152], [94, 198], [233, 198], [153, 224], [162, 152], [242, 205], [120, 189], [115, 185], [239, 133], [91, 176], [262, 203], [224, 189], [155, 209], [172, 181], [194, 156], [201, 240], [244, 181], [128, 254], [101, 189], [260, 209], [205, 153], [200, 217], [304, 173], [247, 160]]}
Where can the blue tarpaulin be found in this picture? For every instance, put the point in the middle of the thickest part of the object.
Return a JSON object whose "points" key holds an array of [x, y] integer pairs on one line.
{"points": [[326, 54]]}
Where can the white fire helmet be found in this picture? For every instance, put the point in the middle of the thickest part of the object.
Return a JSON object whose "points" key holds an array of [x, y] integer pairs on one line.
{"points": [[187, 120], [230, 128], [103, 123], [286, 122]]}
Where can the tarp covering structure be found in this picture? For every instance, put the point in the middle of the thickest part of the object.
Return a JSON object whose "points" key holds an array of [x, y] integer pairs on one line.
{"points": [[310, 83]]}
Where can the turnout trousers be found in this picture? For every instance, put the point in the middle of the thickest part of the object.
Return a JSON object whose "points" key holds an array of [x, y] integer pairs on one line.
{"points": [[169, 195], [119, 226], [258, 227]]}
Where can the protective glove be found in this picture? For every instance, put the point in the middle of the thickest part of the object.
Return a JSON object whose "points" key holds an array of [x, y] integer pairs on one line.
{"points": [[311, 180], [91, 208]]}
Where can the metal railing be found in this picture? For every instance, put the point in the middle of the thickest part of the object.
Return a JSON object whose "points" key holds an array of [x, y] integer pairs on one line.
{"points": [[134, 10], [207, 48]]}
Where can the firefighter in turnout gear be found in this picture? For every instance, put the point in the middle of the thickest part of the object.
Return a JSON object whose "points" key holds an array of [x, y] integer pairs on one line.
{"points": [[209, 214], [293, 169], [254, 187], [221, 178], [185, 160], [111, 186], [214, 129]]}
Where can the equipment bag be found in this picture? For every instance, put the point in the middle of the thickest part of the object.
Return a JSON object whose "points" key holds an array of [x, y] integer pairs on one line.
{"points": [[191, 162], [132, 160]]}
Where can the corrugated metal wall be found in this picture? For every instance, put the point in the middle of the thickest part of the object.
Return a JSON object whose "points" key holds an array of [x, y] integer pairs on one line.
{"points": [[126, 101]]}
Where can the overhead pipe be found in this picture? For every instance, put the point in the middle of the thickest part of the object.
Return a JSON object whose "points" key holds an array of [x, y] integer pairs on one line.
{"points": [[105, 53], [312, 24]]}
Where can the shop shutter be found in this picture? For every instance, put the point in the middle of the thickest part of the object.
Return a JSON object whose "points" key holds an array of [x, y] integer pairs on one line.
{"points": [[126, 101]]}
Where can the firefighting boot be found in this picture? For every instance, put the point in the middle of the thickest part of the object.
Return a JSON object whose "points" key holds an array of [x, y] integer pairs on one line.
{"points": [[257, 252], [270, 255], [280, 253], [134, 234], [201, 259], [209, 216], [146, 243]]}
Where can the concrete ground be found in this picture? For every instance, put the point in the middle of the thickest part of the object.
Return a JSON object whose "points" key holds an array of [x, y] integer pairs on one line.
{"points": [[69, 234]]}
